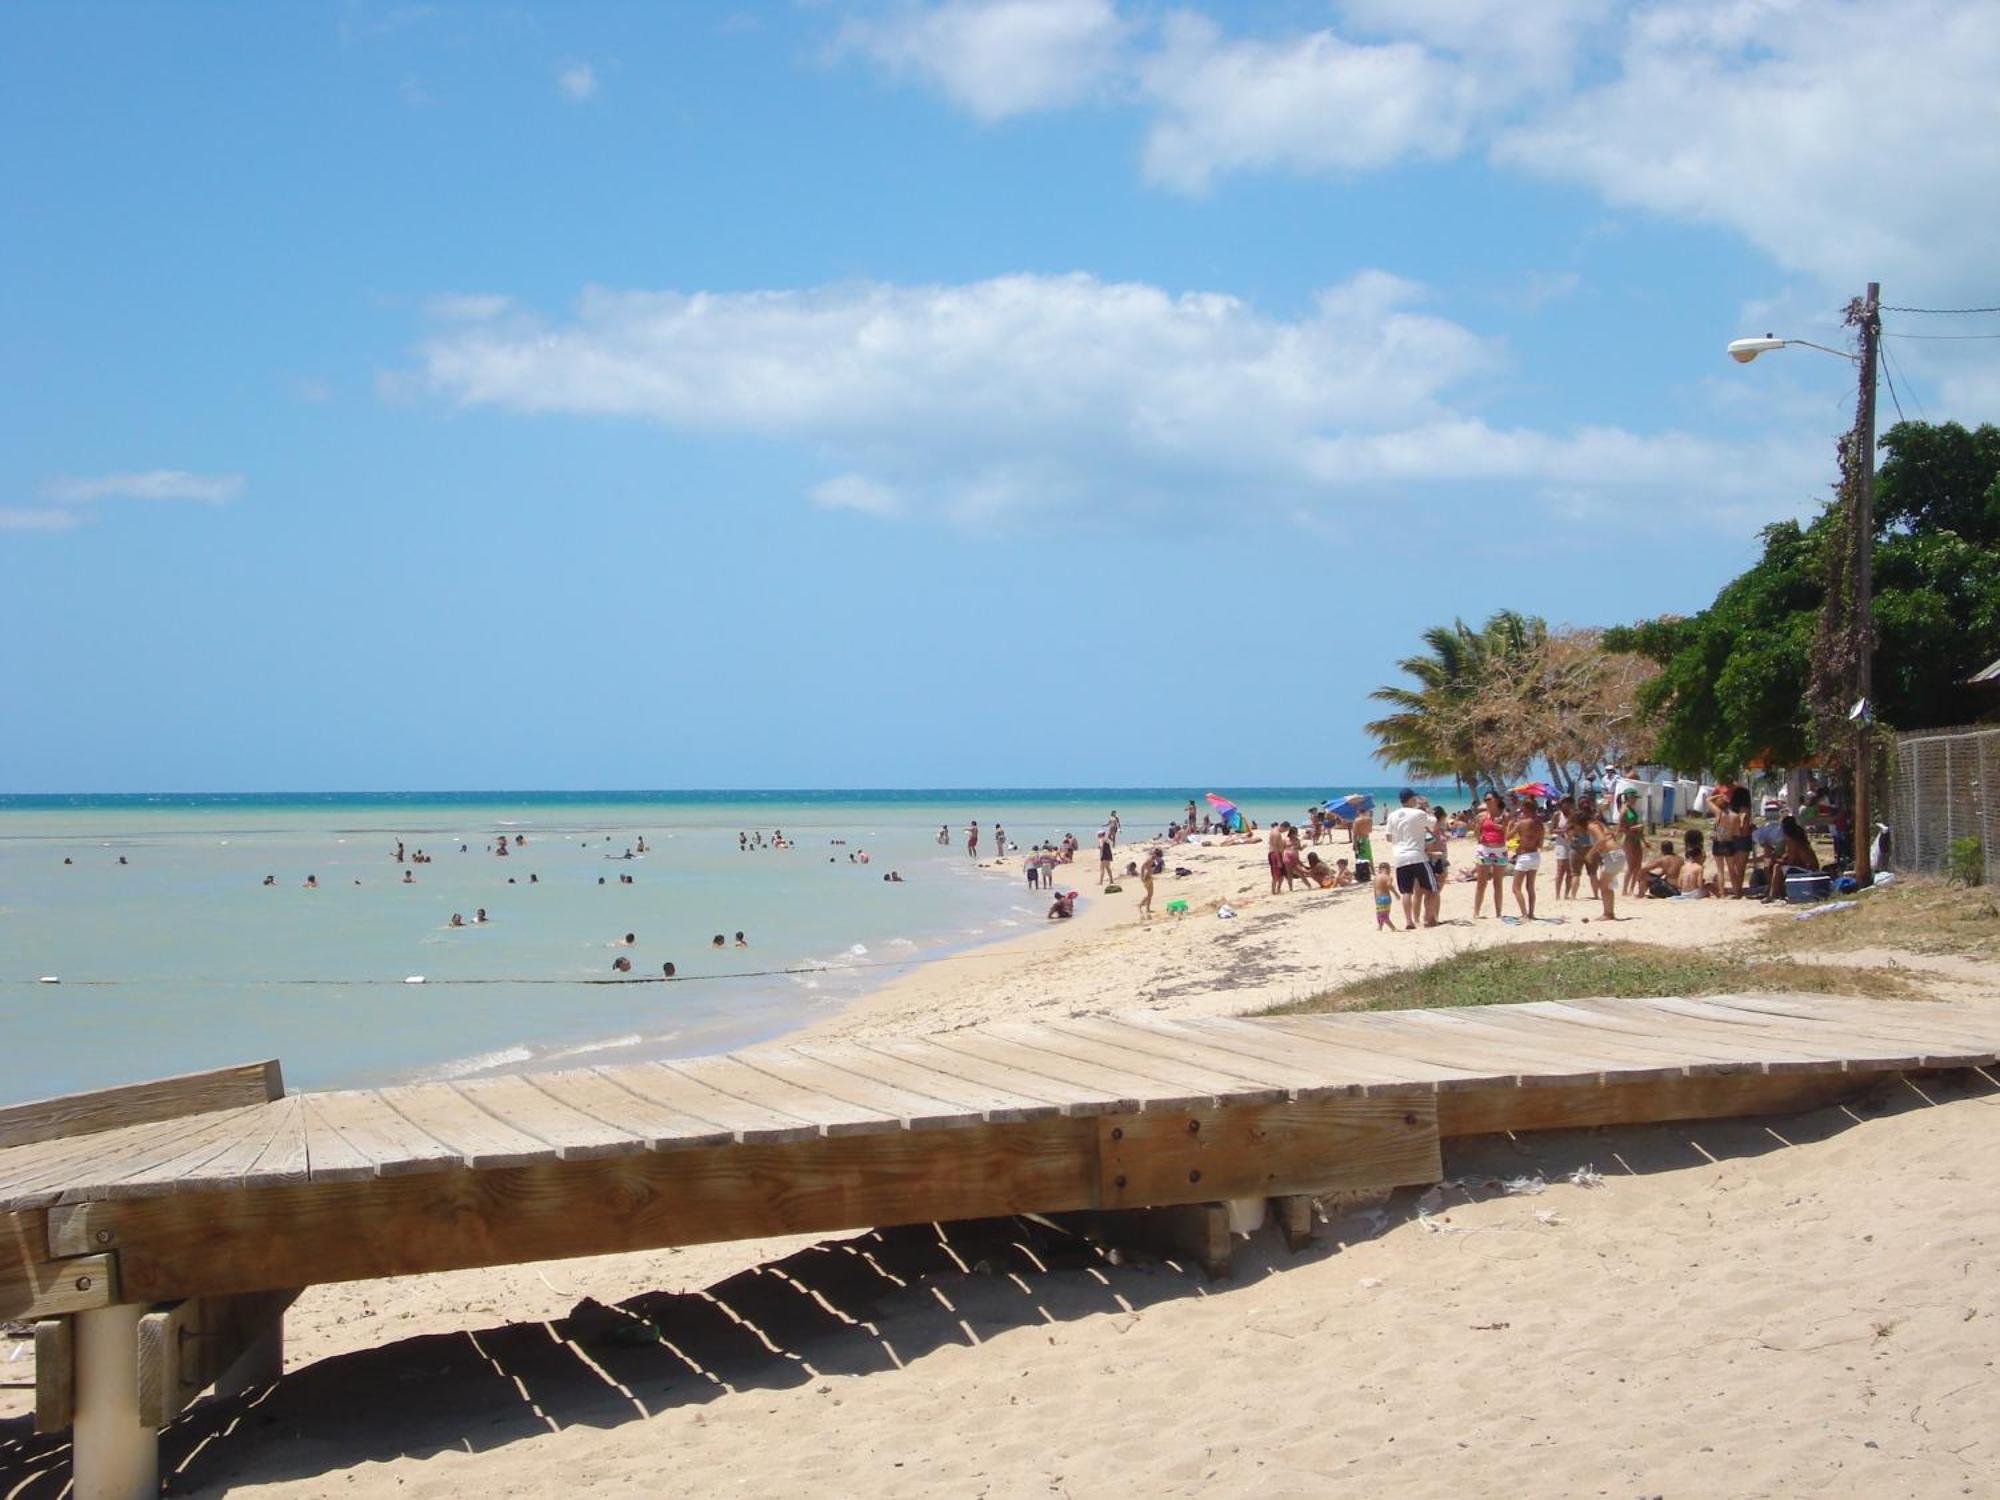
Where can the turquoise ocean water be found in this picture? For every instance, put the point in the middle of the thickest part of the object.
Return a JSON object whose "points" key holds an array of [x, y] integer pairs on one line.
{"points": [[182, 958]]}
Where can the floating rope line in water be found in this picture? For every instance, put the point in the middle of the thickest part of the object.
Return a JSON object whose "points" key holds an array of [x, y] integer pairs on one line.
{"points": [[425, 979]]}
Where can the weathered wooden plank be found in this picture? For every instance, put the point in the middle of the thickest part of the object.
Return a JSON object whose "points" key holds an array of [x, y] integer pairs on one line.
{"points": [[1946, 1041], [1124, 1090], [379, 1134], [599, 1096], [268, 1136], [35, 1283], [1568, 1048], [1485, 1112], [55, 1374], [38, 1173], [765, 1090], [981, 1100], [1452, 1068], [519, 1102], [214, 1134], [1436, 1037], [207, 1243], [185, 1346], [1668, 1019], [748, 1123], [1703, 1057], [1292, 1038], [1262, 1150], [331, 1156], [1860, 1050], [911, 1109], [140, 1103], [1168, 1070], [1285, 1080], [923, 1052], [479, 1139]]}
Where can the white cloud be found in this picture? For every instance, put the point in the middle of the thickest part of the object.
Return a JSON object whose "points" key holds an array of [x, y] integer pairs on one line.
{"points": [[996, 58], [148, 484], [981, 401], [576, 81], [1844, 139], [467, 306], [37, 518], [1847, 139], [1310, 104], [856, 492]]}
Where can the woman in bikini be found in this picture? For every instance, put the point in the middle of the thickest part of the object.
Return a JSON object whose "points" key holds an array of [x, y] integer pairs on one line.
{"points": [[1732, 839], [1489, 829]]}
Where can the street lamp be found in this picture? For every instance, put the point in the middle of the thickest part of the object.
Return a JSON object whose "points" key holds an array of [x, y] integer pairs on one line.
{"points": [[1745, 350]]}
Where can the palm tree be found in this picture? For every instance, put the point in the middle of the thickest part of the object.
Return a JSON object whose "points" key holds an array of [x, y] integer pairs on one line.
{"points": [[1438, 728]]}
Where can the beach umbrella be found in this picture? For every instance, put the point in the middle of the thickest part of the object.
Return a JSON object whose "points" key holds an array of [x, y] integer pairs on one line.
{"points": [[1224, 808], [1350, 806], [1534, 789]]}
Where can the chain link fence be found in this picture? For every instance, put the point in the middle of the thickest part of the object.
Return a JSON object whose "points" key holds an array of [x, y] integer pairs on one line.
{"points": [[1945, 786]]}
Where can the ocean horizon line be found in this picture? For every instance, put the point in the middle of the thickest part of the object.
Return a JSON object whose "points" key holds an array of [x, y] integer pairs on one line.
{"points": [[630, 795]]}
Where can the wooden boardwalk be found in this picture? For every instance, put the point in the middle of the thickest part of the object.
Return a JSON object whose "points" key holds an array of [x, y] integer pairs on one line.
{"points": [[204, 1204]]}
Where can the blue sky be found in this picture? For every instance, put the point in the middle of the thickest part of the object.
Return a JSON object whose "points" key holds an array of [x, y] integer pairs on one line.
{"points": [[1035, 392]]}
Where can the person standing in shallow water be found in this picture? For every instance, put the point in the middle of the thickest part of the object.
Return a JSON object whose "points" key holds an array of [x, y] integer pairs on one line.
{"points": [[972, 839]]}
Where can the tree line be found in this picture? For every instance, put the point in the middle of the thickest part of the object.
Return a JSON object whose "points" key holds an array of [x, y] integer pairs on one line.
{"points": [[1745, 681]]}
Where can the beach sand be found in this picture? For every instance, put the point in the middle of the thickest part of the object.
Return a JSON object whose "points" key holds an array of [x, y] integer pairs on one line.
{"points": [[1743, 1307]]}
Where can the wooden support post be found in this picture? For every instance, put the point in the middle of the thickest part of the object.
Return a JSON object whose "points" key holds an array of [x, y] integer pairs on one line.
{"points": [[55, 1374], [117, 1457], [1194, 1231], [233, 1343], [1295, 1219]]}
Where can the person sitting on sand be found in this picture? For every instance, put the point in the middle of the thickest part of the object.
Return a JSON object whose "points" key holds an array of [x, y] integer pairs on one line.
{"points": [[1318, 871], [1343, 875], [1691, 879], [1064, 905], [1664, 867]]}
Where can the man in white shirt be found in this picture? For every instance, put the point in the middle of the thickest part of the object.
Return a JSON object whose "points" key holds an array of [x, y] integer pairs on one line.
{"points": [[1407, 828]]}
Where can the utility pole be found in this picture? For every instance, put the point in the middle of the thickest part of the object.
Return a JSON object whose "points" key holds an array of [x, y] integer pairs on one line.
{"points": [[1864, 582]]}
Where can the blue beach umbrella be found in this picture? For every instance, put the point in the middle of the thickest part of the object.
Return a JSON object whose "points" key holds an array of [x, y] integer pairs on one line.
{"points": [[1351, 806]]}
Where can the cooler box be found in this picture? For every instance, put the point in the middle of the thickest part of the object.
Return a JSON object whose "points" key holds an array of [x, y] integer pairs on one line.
{"points": [[1802, 886]]}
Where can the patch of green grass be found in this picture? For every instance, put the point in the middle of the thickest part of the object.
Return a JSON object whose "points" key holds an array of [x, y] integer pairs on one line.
{"points": [[1555, 970], [1919, 914]]}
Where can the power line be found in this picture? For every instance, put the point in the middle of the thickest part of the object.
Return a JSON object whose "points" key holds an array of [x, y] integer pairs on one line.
{"points": [[1891, 379], [1943, 312], [1944, 336], [1888, 356]]}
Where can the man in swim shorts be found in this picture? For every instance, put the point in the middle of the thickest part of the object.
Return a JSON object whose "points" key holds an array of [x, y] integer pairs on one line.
{"points": [[1408, 828]]}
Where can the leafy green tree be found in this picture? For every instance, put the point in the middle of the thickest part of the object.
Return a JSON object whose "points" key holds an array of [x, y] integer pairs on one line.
{"points": [[1733, 681], [1443, 726]]}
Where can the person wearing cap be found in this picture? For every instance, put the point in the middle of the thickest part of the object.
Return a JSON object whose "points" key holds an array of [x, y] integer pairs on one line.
{"points": [[1408, 829]]}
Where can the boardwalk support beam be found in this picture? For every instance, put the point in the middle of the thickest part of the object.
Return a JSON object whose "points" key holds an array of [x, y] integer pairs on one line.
{"points": [[117, 1456]]}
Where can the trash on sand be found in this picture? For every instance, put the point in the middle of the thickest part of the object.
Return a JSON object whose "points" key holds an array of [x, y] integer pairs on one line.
{"points": [[1548, 1216], [1225, 910], [1586, 1176], [1515, 1187], [1820, 911], [1371, 1281]]}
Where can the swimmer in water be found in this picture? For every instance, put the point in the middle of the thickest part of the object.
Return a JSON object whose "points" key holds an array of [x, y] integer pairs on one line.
{"points": [[409, 877], [312, 882], [480, 916], [621, 964], [533, 878], [270, 880], [457, 920], [742, 941], [626, 941], [716, 941], [666, 971]]}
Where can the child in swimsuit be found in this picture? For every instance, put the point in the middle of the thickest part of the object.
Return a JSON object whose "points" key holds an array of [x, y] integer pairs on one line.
{"points": [[1385, 897]]}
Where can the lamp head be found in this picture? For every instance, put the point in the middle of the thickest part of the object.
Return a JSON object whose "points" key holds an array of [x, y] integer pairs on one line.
{"points": [[1745, 350]]}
